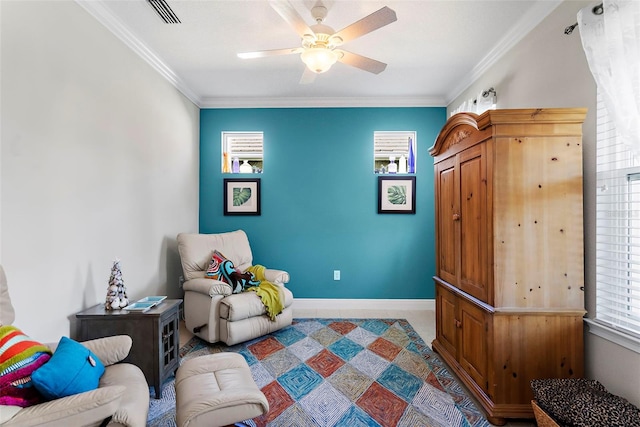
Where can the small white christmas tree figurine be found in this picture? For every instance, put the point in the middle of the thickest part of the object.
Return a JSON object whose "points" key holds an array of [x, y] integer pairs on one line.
{"points": [[116, 291]]}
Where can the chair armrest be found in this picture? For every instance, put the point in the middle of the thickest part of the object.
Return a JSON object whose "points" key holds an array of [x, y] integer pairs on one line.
{"points": [[276, 276], [110, 350], [88, 408], [209, 287]]}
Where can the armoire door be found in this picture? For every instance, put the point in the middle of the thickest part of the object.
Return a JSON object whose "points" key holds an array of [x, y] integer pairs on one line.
{"points": [[472, 218], [473, 350], [446, 211], [446, 320]]}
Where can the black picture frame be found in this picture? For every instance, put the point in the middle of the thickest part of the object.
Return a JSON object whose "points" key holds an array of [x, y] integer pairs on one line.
{"points": [[397, 194], [241, 196]]}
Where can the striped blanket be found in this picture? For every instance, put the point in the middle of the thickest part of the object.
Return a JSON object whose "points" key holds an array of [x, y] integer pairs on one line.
{"points": [[20, 356]]}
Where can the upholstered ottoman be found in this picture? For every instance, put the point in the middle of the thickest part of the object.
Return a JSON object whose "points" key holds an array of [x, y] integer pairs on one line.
{"points": [[217, 390]]}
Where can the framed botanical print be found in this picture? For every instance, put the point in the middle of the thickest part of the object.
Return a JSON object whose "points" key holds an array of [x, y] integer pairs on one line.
{"points": [[397, 194], [241, 196]]}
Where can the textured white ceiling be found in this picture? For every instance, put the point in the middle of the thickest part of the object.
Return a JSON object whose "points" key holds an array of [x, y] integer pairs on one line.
{"points": [[434, 50]]}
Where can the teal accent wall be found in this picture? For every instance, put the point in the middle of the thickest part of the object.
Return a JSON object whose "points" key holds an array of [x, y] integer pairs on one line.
{"points": [[319, 199]]}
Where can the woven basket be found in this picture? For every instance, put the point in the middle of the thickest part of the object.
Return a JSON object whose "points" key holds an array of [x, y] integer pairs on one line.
{"points": [[542, 418]]}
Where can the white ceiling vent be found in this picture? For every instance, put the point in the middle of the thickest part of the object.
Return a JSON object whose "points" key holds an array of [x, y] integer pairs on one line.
{"points": [[164, 10]]}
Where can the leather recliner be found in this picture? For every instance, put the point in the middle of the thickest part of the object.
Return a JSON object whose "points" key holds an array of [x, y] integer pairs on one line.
{"points": [[212, 312]]}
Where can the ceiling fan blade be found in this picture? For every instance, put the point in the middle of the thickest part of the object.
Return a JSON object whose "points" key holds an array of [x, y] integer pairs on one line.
{"points": [[308, 76], [369, 23], [273, 52], [289, 14], [362, 62]]}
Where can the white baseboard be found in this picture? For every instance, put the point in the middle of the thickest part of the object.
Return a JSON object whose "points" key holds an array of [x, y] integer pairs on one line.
{"points": [[363, 304]]}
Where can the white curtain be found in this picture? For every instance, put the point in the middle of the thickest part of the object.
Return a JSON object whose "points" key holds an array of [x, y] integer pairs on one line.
{"points": [[611, 43]]}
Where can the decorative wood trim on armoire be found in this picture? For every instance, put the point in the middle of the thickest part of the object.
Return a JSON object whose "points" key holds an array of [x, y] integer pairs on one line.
{"points": [[509, 252]]}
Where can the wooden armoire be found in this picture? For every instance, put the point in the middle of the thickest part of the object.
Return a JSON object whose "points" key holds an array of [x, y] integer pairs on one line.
{"points": [[509, 245]]}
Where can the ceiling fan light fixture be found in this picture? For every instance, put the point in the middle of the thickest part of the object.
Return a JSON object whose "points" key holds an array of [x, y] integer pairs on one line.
{"points": [[319, 59]]}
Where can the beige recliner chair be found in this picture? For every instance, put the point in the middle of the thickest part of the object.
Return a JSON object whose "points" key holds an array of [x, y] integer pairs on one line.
{"points": [[121, 399], [211, 310]]}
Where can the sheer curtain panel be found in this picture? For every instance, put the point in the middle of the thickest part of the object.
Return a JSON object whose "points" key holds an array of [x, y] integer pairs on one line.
{"points": [[611, 43]]}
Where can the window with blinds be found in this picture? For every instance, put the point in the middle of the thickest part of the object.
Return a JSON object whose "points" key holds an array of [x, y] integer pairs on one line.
{"points": [[242, 152], [617, 230], [398, 147]]}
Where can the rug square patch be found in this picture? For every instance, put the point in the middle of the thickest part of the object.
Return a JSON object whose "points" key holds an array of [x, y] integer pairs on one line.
{"points": [[306, 348], [418, 348], [384, 348], [248, 356], [300, 381], [325, 405], [342, 327], [377, 326], [433, 381], [307, 327], [370, 363], [280, 362], [294, 416], [413, 417], [397, 335], [382, 405], [260, 375], [265, 347], [288, 336], [350, 381], [326, 336], [361, 336], [346, 348], [325, 363], [413, 363], [400, 382], [356, 417], [278, 399], [438, 406]]}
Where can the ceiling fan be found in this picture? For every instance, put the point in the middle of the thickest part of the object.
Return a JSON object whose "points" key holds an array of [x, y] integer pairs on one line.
{"points": [[319, 41]]}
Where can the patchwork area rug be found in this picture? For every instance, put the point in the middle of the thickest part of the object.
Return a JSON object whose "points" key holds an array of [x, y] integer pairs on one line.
{"points": [[342, 372]]}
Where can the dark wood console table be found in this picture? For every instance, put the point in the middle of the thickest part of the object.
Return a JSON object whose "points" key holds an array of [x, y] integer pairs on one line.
{"points": [[155, 335]]}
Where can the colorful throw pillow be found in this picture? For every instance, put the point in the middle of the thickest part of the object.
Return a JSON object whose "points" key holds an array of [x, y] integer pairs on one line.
{"points": [[20, 356], [72, 369], [213, 271], [239, 281]]}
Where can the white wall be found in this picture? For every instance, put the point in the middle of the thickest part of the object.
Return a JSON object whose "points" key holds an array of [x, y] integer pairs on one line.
{"points": [[549, 69], [99, 160]]}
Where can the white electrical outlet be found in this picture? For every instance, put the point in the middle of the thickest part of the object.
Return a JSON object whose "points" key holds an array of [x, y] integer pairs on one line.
{"points": [[336, 274]]}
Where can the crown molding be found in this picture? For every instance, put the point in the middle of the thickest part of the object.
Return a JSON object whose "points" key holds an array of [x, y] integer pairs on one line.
{"points": [[113, 24], [538, 12], [320, 102]]}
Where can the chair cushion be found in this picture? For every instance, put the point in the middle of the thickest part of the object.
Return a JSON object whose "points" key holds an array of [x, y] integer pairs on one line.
{"points": [[72, 369], [247, 304], [196, 249]]}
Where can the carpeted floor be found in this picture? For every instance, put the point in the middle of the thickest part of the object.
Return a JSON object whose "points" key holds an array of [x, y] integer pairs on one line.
{"points": [[343, 372]]}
